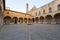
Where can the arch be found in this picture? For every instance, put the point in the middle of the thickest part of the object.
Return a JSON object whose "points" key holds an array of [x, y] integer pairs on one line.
{"points": [[59, 7], [25, 20], [15, 19], [29, 20], [41, 19], [7, 20], [48, 19], [36, 13], [43, 11], [50, 10], [57, 18], [37, 19], [21, 20], [39, 12], [7, 17], [33, 20]]}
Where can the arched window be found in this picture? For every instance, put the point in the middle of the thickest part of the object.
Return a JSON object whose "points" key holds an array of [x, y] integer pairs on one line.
{"points": [[7, 12], [59, 7], [39, 12], [36, 13], [50, 10], [43, 11]]}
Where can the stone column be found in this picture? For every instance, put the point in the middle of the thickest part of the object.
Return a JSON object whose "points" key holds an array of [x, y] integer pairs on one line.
{"points": [[44, 21], [23, 21], [32, 21], [53, 21], [27, 21], [35, 21], [18, 21], [1, 12]]}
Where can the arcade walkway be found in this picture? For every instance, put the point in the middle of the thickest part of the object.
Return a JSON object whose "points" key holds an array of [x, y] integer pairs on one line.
{"points": [[30, 32]]}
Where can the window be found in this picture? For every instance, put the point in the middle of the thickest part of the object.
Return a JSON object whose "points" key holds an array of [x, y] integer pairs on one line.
{"points": [[50, 10], [43, 11], [39, 12], [7, 12], [36, 13], [59, 7]]}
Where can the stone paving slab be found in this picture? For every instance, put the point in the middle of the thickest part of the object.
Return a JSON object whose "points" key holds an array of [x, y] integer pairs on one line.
{"points": [[30, 32]]}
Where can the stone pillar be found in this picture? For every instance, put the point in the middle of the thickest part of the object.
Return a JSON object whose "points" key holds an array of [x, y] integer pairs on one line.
{"points": [[44, 21], [23, 21], [18, 22], [39, 21], [27, 21], [32, 21], [53, 21], [1, 11], [35, 21]]}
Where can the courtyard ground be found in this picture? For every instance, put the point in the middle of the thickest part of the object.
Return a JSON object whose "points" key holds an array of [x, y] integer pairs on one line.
{"points": [[30, 32]]}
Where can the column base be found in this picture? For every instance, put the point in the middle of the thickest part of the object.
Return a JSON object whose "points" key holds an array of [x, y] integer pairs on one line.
{"points": [[53, 22], [1, 25]]}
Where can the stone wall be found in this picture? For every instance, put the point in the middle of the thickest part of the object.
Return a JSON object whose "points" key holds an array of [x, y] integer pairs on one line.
{"points": [[1, 12]]}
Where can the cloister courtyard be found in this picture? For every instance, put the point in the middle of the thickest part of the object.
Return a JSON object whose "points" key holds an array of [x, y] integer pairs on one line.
{"points": [[41, 23], [30, 32]]}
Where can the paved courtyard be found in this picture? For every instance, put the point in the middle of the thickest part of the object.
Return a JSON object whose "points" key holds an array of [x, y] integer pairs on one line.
{"points": [[30, 32]]}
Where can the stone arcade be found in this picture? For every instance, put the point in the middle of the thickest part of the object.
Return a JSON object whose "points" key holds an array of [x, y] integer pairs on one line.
{"points": [[47, 14]]}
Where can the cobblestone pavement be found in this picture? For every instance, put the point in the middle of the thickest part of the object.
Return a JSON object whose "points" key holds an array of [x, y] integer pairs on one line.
{"points": [[30, 32]]}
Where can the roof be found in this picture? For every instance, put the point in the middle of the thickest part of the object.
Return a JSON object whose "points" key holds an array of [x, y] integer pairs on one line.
{"points": [[18, 12]]}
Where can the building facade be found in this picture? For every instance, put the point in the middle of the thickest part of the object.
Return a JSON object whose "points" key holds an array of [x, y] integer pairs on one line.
{"points": [[47, 14], [14, 17]]}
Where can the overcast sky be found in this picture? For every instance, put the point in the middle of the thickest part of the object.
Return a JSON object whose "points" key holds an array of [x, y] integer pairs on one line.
{"points": [[20, 5]]}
